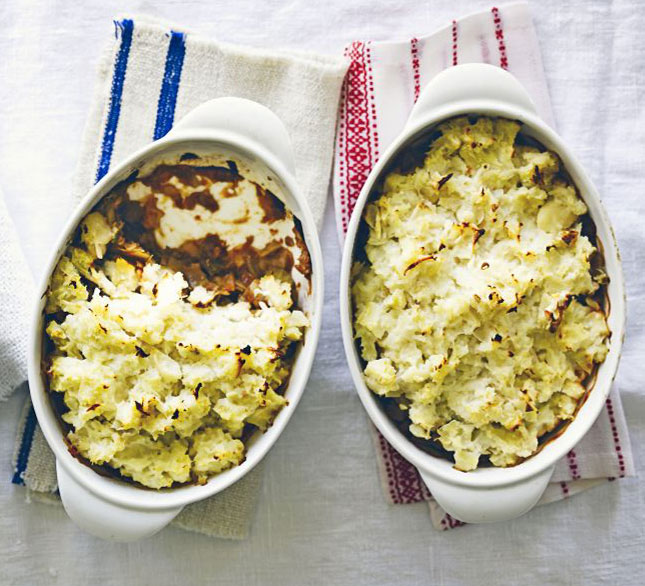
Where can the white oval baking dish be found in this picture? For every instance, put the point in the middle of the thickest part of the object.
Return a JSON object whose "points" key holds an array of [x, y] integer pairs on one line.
{"points": [[228, 127], [488, 494]]}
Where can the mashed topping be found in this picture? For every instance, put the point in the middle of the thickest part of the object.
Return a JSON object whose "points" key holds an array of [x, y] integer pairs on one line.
{"points": [[477, 302], [169, 352]]}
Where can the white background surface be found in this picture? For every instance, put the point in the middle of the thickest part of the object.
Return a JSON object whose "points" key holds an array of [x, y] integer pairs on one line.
{"points": [[322, 517]]}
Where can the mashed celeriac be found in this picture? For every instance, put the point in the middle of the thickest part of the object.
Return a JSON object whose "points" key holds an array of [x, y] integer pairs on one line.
{"points": [[170, 346], [476, 302]]}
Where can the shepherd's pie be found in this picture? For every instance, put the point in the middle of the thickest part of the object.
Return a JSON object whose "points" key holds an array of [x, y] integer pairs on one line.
{"points": [[172, 324], [477, 301]]}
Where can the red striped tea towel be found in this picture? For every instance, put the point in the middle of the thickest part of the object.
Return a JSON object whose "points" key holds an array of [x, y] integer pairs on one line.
{"points": [[382, 84]]}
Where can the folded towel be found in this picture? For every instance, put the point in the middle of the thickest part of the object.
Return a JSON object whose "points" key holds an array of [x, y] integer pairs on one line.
{"points": [[16, 287], [382, 84], [150, 76]]}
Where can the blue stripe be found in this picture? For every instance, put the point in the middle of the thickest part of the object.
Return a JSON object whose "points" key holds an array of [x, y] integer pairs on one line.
{"points": [[170, 85], [165, 118], [125, 28], [25, 447]]}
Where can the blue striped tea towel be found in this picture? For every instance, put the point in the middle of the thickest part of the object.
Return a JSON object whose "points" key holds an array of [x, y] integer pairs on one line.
{"points": [[150, 76]]}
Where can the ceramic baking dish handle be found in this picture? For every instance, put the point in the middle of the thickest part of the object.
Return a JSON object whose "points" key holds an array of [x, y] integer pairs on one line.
{"points": [[488, 505], [471, 81], [107, 520], [247, 119]]}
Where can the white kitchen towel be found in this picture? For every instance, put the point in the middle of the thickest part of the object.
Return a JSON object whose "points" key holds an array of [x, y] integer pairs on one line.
{"points": [[16, 288], [382, 85], [150, 76]]}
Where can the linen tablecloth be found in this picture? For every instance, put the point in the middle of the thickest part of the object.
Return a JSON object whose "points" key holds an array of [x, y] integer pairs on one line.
{"points": [[322, 517]]}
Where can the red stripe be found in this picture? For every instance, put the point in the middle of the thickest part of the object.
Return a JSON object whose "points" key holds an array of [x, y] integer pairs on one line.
{"points": [[358, 135], [455, 59], [343, 138], [341, 149], [573, 465], [614, 433], [499, 35], [403, 480], [414, 50], [452, 522], [373, 120], [384, 449]]}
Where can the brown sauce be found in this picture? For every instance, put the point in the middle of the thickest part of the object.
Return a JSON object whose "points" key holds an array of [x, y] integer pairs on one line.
{"points": [[192, 175], [208, 261], [272, 206]]}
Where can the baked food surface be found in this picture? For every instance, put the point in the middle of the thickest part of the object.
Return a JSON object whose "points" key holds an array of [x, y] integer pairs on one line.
{"points": [[172, 323], [477, 293]]}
